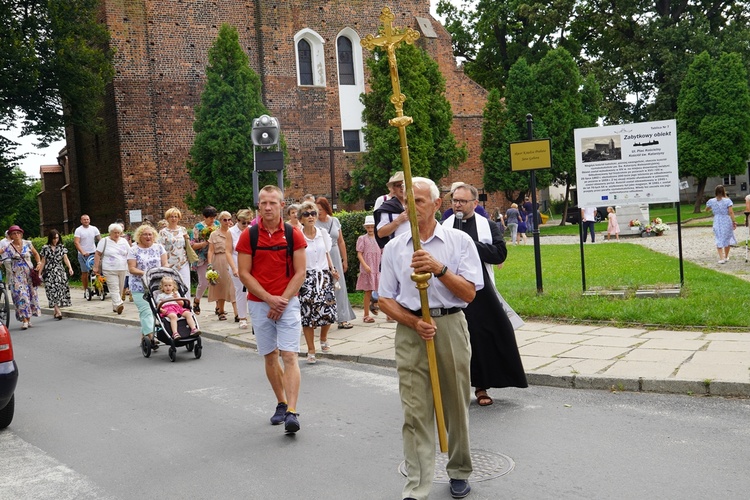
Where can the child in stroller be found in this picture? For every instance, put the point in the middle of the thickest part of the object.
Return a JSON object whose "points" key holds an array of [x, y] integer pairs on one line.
{"points": [[173, 309]]}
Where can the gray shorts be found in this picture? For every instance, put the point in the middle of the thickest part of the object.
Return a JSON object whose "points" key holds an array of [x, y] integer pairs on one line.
{"points": [[283, 334]]}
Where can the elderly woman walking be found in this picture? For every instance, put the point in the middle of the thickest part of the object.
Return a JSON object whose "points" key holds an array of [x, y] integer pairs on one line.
{"points": [[332, 226], [724, 223], [174, 238], [54, 261], [22, 289], [111, 258], [145, 254]]}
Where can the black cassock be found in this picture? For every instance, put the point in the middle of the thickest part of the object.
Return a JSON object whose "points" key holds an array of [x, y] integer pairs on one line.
{"points": [[495, 360]]}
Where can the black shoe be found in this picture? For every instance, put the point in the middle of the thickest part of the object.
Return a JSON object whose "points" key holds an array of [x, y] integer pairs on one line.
{"points": [[291, 423], [278, 416], [460, 488]]}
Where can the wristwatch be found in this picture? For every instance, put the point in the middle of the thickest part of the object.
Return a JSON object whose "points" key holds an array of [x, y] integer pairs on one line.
{"points": [[442, 272]]}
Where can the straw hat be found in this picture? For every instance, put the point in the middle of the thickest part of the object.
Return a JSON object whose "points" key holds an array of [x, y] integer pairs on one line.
{"points": [[369, 220]]}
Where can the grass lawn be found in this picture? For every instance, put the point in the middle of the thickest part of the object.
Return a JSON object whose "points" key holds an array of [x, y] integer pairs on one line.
{"points": [[708, 298]]}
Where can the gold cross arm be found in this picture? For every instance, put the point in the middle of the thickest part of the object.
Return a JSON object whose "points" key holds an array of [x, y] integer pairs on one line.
{"points": [[389, 36]]}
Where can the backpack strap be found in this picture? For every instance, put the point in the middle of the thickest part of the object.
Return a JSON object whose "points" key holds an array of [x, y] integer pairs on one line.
{"points": [[288, 234]]}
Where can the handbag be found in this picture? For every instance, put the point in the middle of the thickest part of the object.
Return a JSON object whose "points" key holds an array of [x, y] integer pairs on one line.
{"points": [[192, 257]]}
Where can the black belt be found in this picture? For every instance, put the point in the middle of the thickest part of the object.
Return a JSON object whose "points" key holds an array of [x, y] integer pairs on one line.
{"points": [[436, 312]]}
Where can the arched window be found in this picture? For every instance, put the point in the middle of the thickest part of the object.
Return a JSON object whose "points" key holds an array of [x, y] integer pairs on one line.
{"points": [[304, 54], [346, 61], [311, 70]]}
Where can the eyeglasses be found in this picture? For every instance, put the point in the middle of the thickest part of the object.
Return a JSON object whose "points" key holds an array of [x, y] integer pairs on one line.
{"points": [[398, 185], [456, 201], [226, 220], [309, 214], [243, 222]]}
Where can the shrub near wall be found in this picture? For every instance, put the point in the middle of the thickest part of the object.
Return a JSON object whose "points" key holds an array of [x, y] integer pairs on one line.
{"points": [[352, 227]]}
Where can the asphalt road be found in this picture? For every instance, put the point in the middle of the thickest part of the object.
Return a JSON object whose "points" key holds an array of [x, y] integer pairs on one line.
{"points": [[94, 419]]}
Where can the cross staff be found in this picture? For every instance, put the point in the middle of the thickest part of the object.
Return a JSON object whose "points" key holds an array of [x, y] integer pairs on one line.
{"points": [[390, 38]]}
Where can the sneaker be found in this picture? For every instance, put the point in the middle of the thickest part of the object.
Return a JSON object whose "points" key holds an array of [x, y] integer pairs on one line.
{"points": [[460, 488], [278, 416], [311, 359], [722, 261], [291, 422]]}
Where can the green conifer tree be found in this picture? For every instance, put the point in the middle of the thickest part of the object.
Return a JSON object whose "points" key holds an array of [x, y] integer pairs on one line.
{"points": [[433, 149], [221, 159]]}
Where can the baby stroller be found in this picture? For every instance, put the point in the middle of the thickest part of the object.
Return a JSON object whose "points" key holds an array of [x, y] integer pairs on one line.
{"points": [[97, 282], [162, 327]]}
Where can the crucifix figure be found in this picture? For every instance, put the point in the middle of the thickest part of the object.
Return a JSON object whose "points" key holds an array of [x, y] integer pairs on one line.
{"points": [[389, 38], [332, 149]]}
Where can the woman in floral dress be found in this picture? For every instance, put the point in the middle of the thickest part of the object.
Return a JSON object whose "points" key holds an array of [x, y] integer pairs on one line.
{"points": [[724, 223], [22, 291], [145, 254], [54, 261], [174, 238]]}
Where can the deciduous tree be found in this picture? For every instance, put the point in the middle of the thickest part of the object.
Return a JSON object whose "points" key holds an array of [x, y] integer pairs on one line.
{"points": [[713, 120]]}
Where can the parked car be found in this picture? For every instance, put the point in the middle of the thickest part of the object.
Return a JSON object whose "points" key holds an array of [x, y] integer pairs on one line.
{"points": [[573, 216], [8, 378]]}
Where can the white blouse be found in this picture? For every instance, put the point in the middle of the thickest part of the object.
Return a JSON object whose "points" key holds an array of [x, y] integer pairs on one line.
{"points": [[316, 250]]}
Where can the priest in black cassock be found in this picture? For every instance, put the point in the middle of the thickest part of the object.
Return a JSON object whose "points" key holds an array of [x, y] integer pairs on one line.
{"points": [[495, 360]]}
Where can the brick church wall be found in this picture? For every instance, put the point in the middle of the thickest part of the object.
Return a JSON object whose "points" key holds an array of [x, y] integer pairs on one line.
{"points": [[161, 54]]}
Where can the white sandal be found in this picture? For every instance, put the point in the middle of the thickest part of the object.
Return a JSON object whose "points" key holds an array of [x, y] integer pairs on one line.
{"points": [[311, 359], [325, 347]]}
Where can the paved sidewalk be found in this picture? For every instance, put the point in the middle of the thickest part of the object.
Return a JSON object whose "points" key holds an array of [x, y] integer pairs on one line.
{"points": [[560, 355]]}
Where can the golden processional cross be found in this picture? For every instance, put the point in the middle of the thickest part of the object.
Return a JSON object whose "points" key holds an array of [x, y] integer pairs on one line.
{"points": [[390, 38]]}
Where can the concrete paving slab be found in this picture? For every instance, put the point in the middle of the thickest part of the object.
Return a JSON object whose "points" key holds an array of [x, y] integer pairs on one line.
{"points": [[594, 352], [728, 336], [614, 341], [725, 373], [728, 346], [672, 335], [674, 344], [544, 349], [536, 326], [611, 331], [574, 329], [721, 358], [531, 363], [573, 366], [672, 358], [565, 338], [640, 369]]}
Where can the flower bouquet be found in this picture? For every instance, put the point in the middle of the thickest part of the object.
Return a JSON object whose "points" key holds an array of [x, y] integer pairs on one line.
{"points": [[635, 223], [212, 276], [206, 232], [656, 227]]}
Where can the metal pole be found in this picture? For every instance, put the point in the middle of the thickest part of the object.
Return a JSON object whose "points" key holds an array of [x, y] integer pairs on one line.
{"points": [[534, 217], [256, 188]]}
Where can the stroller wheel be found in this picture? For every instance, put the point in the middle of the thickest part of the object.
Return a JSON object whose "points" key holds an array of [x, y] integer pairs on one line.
{"points": [[146, 347], [190, 346], [104, 295], [172, 354], [198, 351], [87, 294]]}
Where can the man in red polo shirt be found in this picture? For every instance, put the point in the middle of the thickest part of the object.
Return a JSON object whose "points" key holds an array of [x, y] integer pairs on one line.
{"points": [[272, 282]]}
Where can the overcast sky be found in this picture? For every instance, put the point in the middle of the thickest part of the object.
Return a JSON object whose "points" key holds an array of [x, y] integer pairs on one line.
{"points": [[48, 156]]}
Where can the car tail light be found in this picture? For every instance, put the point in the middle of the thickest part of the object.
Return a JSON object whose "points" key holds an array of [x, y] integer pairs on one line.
{"points": [[6, 346]]}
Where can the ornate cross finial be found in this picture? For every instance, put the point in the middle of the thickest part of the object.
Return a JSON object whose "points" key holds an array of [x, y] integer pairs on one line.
{"points": [[389, 39]]}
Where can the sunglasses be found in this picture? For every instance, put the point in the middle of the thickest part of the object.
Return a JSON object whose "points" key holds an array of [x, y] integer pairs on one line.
{"points": [[243, 222], [226, 220], [309, 214]]}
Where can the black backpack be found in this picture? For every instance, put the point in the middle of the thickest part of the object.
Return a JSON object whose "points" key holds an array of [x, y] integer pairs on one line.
{"points": [[288, 234]]}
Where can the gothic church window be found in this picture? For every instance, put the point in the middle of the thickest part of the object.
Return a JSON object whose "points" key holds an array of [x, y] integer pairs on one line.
{"points": [[310, 59], [305, 62], [346, 61]]}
